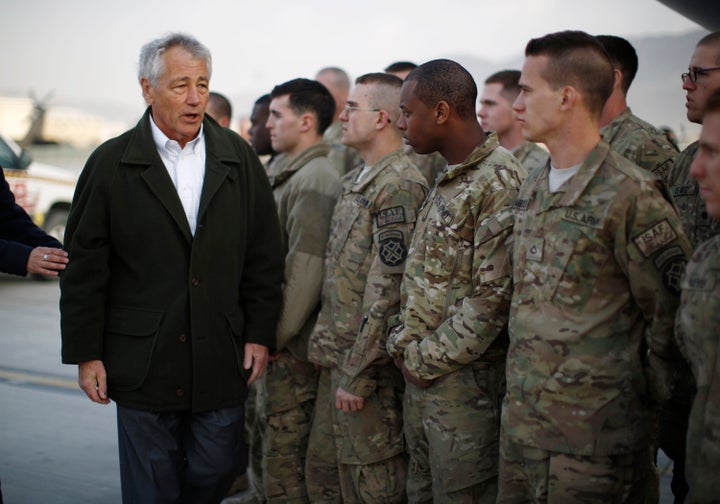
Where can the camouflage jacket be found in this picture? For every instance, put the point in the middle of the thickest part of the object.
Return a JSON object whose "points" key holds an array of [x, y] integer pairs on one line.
{"points": [[305, 190], [641, 143], [531, 156], [370, 232], [698, 225], [596, 272], [698, 320], [456, 287]]}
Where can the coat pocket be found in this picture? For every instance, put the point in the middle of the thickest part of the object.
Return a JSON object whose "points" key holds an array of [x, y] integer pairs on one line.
{"points": [[130, 338]]}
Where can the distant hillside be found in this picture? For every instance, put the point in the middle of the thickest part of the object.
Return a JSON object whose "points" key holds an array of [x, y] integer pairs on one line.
{"points": [[656, 95]]}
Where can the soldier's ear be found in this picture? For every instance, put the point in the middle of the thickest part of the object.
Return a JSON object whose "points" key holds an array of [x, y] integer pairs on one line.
{"points": [[568, 97], [383, 119], [307, 121], [442, 112]]}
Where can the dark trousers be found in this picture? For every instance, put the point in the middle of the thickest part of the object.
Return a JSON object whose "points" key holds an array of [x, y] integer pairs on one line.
{"points": [[179, 457]]}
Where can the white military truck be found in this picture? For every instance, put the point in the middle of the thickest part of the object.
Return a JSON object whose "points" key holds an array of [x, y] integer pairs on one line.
{"points": [[44, 191]]}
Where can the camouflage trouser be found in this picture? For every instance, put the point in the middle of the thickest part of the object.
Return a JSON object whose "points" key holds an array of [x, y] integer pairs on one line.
{"points": [[291, 387], [357, 457], [255, 426], [452, 430], [531, 475], [321, 467]]}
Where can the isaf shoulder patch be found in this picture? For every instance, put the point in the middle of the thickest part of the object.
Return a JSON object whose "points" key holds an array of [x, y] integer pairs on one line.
{"points": [[393, 250], [653, 239], [387, 216]]}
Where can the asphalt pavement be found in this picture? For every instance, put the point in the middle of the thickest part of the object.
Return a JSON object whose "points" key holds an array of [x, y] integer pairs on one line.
{"points": [[55, 445]]}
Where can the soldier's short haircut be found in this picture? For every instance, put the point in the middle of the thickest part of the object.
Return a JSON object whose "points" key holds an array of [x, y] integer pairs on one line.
{"points": [[623, 57], [712, 39], [400, 66], [444, 79], [387, 94], [306, 95], [380, 78], [151, 65], [219, 105], [712, 105], [576, 59], [509, 80]]}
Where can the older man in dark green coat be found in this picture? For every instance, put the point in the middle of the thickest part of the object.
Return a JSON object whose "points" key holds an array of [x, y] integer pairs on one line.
{"points": [[172, 297]]}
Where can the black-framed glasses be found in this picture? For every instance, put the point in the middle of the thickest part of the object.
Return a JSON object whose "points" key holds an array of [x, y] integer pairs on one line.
{"points": [[350, 108], [693, 73]]}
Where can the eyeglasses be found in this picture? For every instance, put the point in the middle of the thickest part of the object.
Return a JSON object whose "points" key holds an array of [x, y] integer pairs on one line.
{"points": [[349, 108], [693, 73]]}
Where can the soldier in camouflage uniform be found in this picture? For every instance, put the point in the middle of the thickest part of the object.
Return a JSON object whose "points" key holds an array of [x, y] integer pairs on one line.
{"points": [[628, 135], [698, 320], [343, 157], [496, 114], [597, 256], [699, 227], [356, 451], [305, 187], [452, 335], [699, 85]]}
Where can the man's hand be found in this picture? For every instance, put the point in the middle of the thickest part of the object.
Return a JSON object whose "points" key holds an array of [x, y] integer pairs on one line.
{"points": [[256, 357], [348, 402], [46, 261], [418, 382], [93, 380]]}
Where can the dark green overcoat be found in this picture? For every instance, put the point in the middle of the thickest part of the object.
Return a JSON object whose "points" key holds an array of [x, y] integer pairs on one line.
{"points": [[166, 312]]}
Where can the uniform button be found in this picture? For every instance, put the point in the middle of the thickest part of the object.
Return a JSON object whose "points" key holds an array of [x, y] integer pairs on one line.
{"points": [[182, 338], [195, 282], [179, 392]]}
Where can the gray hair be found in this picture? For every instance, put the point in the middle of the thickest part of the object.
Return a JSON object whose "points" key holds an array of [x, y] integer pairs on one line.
{"points": [[152, 66]]}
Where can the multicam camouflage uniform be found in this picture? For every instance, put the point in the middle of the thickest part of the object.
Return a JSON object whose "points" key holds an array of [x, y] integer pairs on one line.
{"points": [[596, 269], [365, 257], [641, 143], [698, 320], [455, 300], [531, 156], [699, 227], [342, 157], [305, 190]]}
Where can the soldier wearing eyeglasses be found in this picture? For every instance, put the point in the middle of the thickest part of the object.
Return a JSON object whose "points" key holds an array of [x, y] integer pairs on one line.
{"points": [[356, 451], [699, 82]]}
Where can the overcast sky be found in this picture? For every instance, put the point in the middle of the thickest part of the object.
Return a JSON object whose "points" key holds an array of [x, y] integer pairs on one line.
{"points": [[85, 51]]}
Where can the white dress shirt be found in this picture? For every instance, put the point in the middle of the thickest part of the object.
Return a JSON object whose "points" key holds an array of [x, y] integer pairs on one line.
{"points": [[186, 168]]}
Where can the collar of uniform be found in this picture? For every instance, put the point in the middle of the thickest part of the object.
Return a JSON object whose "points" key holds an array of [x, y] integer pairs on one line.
{"points": [[373, 172], [476, 156], [609, 131], [314, 151], [579, 182]]}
